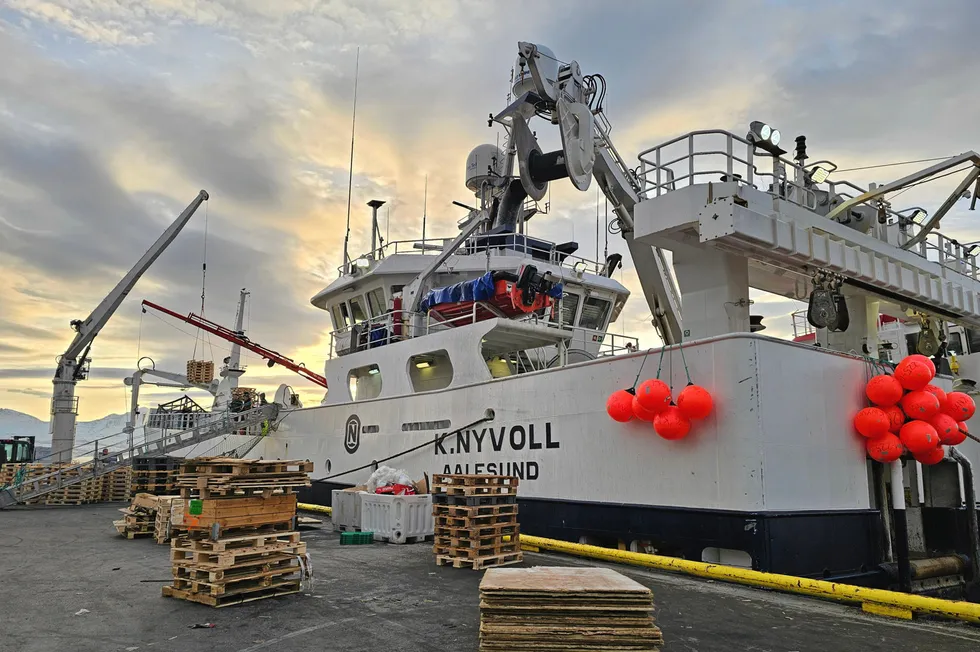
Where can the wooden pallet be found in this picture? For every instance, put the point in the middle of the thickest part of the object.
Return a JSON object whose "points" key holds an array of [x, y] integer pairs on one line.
{"points": [[284, 587], [255, 579], [449, 480], [463, 511], [475, 522], [484, 500], [253, 539], [480, 563], [211, 574], [216, 466], [494, 548], [475, 490]]}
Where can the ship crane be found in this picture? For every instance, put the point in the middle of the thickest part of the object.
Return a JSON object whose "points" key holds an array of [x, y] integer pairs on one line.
{"points": [[560, 93], [73, 364], [239, 338]]}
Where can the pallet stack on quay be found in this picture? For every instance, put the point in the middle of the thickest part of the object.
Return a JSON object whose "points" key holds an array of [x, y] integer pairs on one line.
{"points": [[139, 519], [476, 520], [155, 475], [238, 539], [554, 609], [11, 474], [116, 485], [86, 491]]}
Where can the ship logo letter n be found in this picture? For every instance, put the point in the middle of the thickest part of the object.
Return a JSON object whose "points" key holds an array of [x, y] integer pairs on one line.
{"points": [[352, 436]]}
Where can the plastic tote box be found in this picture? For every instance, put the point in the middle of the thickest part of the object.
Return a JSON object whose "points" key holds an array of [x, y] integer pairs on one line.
{"points": [[346, 506], [397, 519]]}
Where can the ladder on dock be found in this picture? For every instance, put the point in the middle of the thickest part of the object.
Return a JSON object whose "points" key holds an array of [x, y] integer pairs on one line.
{"points": [[224, 423]]}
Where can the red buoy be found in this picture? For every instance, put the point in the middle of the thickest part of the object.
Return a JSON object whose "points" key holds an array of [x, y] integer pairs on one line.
{"points": [[653, 395], [620, 405], [896, 418], [939, 393], [671, 423], [695, 402], [886, 448], [915, 371], [642, 413], [931, 456], [884, 390], [960, 406], [872, 422], [920, 404], [946, 427], [918, 436], [959, 436]]}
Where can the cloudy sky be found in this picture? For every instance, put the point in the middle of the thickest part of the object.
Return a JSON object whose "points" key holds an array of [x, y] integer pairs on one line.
{"points": [[113, 115]]}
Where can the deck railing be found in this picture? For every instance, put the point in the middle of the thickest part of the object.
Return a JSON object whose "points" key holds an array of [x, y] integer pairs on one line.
{"points": [[715, 155]]}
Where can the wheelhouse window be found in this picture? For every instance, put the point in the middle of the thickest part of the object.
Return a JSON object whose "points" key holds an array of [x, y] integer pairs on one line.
{"points": [[357, 310], [339, 313], [430, 371], [594, 313], [569, 306], [364, 383], [376, 302]]}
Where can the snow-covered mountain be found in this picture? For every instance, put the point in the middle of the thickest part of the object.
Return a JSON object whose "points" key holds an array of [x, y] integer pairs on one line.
{"points": [[13, 422]]}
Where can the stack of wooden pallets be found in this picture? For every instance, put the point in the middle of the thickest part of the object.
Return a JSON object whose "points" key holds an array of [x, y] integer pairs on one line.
{"points": [[161, 521], [558, 609], [238, 539], [139, 519], [88, 490], [475, 520], [116, 485], [155, 475], [113, 486]]}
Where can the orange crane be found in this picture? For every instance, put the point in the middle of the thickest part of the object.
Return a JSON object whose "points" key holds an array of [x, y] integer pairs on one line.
{"points": [[239, 338]]}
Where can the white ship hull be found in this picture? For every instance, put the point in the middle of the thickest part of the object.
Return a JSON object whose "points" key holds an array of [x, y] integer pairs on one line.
{"points": [[777, 451]]}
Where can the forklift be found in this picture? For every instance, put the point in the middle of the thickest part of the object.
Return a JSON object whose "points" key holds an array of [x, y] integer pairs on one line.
{"points": [[17, 450]]}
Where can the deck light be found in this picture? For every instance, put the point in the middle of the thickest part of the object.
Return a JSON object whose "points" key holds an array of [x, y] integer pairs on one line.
{"points": [[424, 364], [819, 174], [763, 136], [373, 370]]}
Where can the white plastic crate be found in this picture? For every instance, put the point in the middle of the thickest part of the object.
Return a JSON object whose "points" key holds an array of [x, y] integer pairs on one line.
{"points": [[346, 506], [397, 519]]}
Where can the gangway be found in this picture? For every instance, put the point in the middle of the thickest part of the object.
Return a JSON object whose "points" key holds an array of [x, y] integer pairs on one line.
{"points": [[223, 423]]}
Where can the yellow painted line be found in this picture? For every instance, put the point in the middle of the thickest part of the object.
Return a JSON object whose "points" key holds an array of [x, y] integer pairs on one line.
{"points": [[309, 507], [878, 601]]}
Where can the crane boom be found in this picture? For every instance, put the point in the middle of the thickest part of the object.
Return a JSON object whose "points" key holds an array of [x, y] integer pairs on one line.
{"points": [[239, 338], [72, 364], [587, 149]]}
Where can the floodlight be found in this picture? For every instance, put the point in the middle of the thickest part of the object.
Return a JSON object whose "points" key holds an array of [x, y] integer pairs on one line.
{"points": [[819, 174]]}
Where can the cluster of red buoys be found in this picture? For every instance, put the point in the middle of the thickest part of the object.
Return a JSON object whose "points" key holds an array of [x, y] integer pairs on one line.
{"points": [[651, 401], [910, 413]]}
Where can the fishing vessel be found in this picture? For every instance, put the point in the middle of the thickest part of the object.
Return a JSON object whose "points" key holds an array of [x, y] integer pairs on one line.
{"points": [[491, 351]]}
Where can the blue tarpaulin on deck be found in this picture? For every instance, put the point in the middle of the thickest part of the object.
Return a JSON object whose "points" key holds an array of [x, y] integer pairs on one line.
{"points": [[478, 289]]}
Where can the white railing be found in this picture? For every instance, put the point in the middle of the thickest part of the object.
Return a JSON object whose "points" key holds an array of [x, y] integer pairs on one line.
{"points": [[716, 155], [384, 325], [478, 245]]}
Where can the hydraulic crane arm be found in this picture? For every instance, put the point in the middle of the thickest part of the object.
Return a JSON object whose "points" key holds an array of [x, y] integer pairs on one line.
{"points": [[587, 150], [235, 337], [72, 364], [87, 330]]}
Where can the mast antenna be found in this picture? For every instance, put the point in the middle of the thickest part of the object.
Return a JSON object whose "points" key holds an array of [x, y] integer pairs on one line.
{"points": [[350, 175], [425, 201], [597, 224]]}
